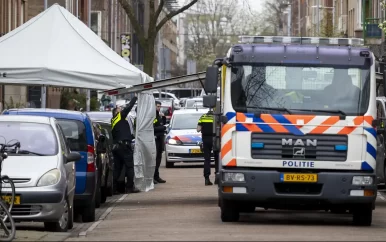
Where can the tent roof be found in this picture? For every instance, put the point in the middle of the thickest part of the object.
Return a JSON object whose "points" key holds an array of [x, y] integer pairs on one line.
{"points": [[57, 49]]}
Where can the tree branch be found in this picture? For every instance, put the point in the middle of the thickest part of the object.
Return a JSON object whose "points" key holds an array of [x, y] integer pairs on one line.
{"points": [[172, 14], [159, 9], [133, 20]]}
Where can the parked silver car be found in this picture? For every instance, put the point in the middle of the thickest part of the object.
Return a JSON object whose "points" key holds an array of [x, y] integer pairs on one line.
{"points": [[43, 171]]}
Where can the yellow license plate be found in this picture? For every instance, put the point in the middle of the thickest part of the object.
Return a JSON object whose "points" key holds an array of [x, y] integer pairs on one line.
{"points": [[8, 199], [195, 151], [298, 177]]}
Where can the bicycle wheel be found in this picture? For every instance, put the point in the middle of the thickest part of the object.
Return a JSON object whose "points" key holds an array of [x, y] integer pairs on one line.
{"points": [[6, 179], [5, 217]]}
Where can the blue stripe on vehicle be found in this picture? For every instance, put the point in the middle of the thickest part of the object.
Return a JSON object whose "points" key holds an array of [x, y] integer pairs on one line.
{"points": [[287, 124], [241, 127], [371, 131], [371, 150], [230, 115], [366, 167], [263, 126]]}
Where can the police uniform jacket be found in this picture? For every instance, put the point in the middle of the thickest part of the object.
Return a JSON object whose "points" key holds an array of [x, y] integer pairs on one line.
{"points": [[206, 123], [120, 127], [159, 128]]}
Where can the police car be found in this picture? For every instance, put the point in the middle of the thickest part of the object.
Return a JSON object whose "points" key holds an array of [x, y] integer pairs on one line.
{"points": [[182, 143]]}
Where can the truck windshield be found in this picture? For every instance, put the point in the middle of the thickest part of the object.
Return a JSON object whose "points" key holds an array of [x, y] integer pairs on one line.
{"points": [[300, 89]]}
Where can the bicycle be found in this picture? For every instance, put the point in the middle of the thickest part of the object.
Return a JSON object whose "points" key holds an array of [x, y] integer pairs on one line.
{"points": [[5, 210]]}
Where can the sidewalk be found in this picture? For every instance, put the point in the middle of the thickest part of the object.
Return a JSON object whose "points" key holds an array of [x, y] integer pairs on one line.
{"points": [[172, 211]]}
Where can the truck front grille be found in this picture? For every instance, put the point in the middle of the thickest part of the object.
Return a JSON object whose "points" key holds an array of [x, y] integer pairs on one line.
{"points": [[273, 147]]}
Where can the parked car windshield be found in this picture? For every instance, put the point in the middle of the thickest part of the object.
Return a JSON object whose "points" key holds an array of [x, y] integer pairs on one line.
{"points": [[33, 137], [193, 103], [100, 116], [75, 132], [185, 120]]}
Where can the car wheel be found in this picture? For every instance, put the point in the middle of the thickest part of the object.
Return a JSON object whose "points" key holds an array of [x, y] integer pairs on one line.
{"points": [[110, 190], [62, 224], [363, 215], [71, 216], [88, 213], [103, 194], [98, 196], [169, 164]]}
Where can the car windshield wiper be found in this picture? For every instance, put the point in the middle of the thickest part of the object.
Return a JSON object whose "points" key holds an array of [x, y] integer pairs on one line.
{"points": [[324, 111], [274, 109], [27, 152]]}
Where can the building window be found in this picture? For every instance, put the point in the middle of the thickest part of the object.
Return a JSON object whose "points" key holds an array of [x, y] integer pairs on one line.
{"points": [[22, 12], [96, 22], [9, 17], [360, 14]]}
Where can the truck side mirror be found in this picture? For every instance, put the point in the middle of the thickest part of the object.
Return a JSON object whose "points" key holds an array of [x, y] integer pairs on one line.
{"points": [[211, 79], [209, 101]]}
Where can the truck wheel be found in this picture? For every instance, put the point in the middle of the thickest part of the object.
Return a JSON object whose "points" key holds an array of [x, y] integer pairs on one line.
{"points": [[363, 216], [229, 212], [248, 209]]}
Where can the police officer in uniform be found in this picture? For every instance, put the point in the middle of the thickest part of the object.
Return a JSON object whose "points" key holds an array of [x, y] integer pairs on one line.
{"points": [[205, 126], [159, 133], [123, 153]]}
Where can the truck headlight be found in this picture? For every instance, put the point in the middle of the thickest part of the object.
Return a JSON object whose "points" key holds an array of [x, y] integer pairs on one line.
{"points": [[50, 178], [233, 177], [362, 180]]}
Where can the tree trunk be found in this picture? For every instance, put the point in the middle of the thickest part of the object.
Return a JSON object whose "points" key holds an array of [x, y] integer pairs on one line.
{"points": [[149, 55]]}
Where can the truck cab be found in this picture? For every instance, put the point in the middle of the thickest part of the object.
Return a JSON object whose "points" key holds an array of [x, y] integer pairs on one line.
{"points": [[296, 126]]}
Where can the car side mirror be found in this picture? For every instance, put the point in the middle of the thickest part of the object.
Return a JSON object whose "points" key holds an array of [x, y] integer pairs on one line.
{"points": [[73, 156]]}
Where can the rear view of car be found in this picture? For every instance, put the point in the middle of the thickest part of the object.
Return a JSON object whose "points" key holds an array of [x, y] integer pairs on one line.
{"points": [[183, 141], [77, 128]]}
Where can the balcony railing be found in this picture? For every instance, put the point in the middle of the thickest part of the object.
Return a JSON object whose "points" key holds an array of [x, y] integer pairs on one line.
{"points": [[371, 28]]}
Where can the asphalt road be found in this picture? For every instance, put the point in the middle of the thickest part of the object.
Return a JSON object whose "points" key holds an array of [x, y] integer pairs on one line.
{"points": [[185, 209]]}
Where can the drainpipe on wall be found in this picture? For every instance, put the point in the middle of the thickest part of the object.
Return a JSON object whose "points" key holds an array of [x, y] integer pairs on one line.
{"points": [[89, 25]]}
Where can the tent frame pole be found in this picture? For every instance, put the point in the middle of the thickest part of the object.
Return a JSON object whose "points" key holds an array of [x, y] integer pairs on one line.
{"points": [[43, 96]]}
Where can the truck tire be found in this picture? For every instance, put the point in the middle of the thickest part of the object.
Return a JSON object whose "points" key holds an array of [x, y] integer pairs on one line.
{"points": [[229, 211], [363, 215], [248, 209]]}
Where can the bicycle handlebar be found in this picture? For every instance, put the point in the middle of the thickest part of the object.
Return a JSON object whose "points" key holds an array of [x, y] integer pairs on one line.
{"points": [[3, 146]]}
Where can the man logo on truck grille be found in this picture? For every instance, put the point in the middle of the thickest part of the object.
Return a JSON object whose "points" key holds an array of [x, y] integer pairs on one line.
{"points": [[299, 152], [299, 142]]}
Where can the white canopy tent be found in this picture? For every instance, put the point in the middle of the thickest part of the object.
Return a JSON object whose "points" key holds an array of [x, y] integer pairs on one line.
{"points": [[57, 49]]}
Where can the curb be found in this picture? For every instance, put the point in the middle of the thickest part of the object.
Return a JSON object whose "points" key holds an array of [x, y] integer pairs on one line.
{"points": [[102, 217]]}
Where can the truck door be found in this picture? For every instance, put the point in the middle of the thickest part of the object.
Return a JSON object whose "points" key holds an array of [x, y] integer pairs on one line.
{"points": [[380, 170]]}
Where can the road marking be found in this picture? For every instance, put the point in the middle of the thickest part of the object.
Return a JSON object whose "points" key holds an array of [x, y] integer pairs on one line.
{"points": [[381, 196], [102, 217]]}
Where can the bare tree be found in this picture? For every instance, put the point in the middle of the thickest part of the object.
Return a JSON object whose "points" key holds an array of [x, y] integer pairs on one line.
{"points": [[326, 26], [273, 16], [147, 36], [213, 26]]}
